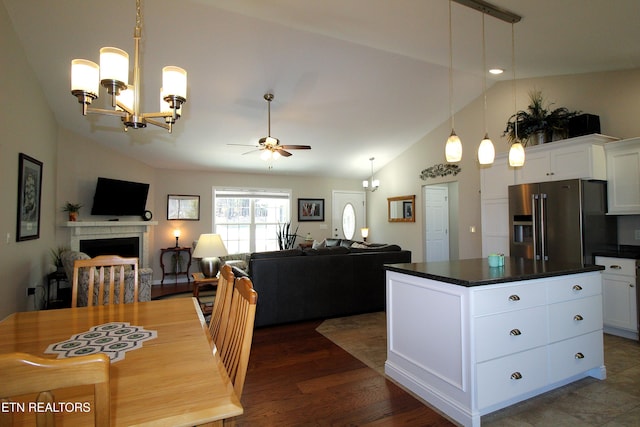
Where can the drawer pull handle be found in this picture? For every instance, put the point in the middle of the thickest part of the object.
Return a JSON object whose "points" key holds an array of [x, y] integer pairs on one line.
{"points": [[579, 356], [578, 318], [615, 267], [515, 332], [577, 288], [514, 298], [516, 376]]}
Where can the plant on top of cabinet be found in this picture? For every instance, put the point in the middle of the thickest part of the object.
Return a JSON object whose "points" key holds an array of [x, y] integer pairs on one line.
{"points": [[538, 123]]}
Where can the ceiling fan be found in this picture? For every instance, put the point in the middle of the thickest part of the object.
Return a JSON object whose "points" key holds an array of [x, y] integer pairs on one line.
{"points": [[269, 145]]}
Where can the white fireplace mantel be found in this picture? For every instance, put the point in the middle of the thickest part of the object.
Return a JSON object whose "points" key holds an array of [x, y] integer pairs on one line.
{"points": [[89, 230]]}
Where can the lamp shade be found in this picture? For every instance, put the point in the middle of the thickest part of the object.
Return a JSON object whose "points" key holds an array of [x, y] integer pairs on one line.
{"points": [[365, 232], [174, 81], [85, 76], [114, 64], [486, 151], [210, 246], [453, 148], [516, 155]]}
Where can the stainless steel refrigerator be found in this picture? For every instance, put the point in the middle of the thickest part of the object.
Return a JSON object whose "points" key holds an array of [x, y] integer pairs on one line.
{"points": [[560, 221]]}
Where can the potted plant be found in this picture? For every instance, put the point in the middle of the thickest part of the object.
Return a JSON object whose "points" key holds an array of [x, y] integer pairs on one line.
{"points": [[538, 123], [73, 209]]}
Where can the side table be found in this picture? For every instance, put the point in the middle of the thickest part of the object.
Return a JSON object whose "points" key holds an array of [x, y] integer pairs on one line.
{"points": [[201, 282], [175, 251]]}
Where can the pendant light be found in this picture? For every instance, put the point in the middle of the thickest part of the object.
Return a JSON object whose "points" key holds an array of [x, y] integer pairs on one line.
{"points": [[453, 147], [516, 152], [486, 151]]}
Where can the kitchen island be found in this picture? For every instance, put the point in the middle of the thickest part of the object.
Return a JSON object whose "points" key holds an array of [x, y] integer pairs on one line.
{"points": [[471, 339]]}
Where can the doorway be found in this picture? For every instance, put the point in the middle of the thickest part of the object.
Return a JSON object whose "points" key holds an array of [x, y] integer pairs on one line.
{"points": [[348, 214]]}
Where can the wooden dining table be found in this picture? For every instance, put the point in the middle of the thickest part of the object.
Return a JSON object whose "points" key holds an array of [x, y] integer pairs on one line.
{"points": [[174, 379]]}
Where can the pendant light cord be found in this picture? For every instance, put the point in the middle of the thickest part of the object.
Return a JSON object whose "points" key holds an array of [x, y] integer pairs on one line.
{"points": [[513, 69], [484, 77], [451, 70]]}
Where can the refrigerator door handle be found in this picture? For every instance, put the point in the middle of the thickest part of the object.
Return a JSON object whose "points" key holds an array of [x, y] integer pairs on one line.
{"points": [[543, 227], [534, 225]]}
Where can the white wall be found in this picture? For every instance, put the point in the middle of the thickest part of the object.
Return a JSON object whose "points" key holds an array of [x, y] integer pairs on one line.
{"points": [[28, 127]]}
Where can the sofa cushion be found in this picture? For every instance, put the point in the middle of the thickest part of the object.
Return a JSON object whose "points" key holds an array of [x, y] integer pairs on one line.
{"points": [[375, 248], [277, 254], [332, 242]]}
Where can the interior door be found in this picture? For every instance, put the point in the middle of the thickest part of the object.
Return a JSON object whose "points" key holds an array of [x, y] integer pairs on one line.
{"points": [[436, 222], [348, 214]]}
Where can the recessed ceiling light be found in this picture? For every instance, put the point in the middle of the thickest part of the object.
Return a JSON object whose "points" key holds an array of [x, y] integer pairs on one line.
{"points": [[496, 71]]}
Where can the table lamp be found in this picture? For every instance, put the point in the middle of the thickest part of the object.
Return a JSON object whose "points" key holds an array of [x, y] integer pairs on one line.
{"points": [[209, 249], [176, 234], [365, 233]]}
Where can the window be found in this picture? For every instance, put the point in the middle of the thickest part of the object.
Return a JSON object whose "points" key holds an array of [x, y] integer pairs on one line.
{"points": [[247, 220]]}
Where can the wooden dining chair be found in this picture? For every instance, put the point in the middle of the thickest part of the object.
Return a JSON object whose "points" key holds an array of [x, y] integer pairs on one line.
{"points": [[222, 305], [24, 374], [236, 347], [105, 267]]}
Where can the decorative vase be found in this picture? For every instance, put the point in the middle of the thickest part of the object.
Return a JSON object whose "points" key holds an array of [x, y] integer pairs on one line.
{"points": [[73, 216]]}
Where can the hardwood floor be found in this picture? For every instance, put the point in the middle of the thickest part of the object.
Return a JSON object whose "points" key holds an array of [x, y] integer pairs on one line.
{"points": [[298, 377], [159, 291]]}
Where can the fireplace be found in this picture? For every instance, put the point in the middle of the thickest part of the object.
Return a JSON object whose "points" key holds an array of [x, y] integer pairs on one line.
{"points": [[112, 237], [123, 246]]}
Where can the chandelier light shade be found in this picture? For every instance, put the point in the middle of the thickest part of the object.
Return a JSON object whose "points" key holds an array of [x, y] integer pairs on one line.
{"points": [[486, 150], [453, 147], [372, 184], [113, 75]]}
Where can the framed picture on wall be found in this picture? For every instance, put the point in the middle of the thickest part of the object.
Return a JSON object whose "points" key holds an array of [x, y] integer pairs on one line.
{"points": [[310, 210], [183, 207], [29, 196]]}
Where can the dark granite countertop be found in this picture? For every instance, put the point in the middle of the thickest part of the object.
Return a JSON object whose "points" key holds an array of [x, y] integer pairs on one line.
{"points": [[622, 251], [476, 272]]}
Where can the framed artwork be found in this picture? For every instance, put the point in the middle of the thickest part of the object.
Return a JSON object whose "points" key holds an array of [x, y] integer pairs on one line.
{"points": [[183, 207], [407, 209], [29, 196], [310, 210]]}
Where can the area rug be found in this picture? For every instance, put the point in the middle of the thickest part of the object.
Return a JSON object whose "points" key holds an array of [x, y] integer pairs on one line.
{"points": [[364, 336]]}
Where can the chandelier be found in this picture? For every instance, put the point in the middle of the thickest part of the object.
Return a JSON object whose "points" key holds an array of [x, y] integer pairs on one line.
{"points": [[113, 75], [373, 184]]}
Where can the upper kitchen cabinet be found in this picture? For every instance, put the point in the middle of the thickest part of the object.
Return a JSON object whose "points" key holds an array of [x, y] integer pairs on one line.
{"points": [[623, 177], [581, 157]]}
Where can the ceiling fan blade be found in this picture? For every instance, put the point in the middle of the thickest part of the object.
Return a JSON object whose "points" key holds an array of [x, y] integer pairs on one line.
{"points": [[296, 147], [252, 151], [243, 145], [284, 153]]}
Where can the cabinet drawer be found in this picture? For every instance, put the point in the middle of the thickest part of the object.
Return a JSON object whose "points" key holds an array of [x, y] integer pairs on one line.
{"points": [[576, 355], [507, 377], [512, 332], [572, 318], [623, 266], [571, 287], [507, 298]]}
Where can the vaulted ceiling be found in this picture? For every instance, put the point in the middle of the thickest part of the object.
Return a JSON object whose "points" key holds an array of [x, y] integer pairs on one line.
{"points": [[352, 78]]}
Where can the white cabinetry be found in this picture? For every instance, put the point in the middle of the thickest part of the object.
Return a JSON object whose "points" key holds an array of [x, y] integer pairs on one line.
{"points": [[623, 176], [581, 157], [473, 350], [619, 295]]}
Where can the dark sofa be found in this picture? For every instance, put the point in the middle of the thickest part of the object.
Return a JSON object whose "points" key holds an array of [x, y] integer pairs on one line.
{"points": [[295, 285]]}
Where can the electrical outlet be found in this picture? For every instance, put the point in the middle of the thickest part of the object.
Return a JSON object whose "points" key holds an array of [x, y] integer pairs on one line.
{"points": [[637, 234], [31, 291]]}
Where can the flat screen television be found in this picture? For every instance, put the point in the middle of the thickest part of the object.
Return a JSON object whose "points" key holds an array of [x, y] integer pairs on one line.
{"points": [[119, 198]]}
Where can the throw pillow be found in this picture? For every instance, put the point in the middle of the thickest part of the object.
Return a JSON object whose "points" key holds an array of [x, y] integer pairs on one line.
{"points": [[359, 245], [317, 244]]}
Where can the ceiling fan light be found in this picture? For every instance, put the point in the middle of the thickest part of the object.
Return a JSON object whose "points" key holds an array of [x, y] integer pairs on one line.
{"points": [[265, 155], [486, 151], [516, 155], [453, 148], [276, 155]]}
